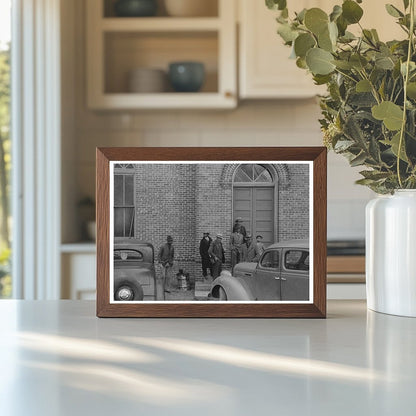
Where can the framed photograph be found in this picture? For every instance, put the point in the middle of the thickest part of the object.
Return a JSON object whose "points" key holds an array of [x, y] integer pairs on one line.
{"points": [[211, 232]]}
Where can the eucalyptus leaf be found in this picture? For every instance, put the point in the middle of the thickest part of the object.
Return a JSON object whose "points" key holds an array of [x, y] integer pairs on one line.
{"points": [[303, 43], [374, 174], [385, 62], [321, 79], [358, 160], [316, 20], [394, 145], [345, 65], [369, 36], [375, 35], [343, 145], [342, 25], [320, 61], [358, 61], [325, 42], [287, 33], [301, 63], [347, 37], [388, 112], [411, 90], [276, 4], [351, 11], [301, 15], [393, 11], [363, 86], [336, 12]]}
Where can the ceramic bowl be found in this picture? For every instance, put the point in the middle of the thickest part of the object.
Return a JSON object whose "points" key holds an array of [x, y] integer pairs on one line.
{"points": [[147, 80], [135, 8], [186, 76]]}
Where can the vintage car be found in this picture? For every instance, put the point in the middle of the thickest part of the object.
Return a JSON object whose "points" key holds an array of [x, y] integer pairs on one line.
{"points": [[134, 270], [282, 274]]}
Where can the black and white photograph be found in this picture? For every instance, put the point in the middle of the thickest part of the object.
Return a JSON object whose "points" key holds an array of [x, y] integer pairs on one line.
{"points": [[211, 231]]}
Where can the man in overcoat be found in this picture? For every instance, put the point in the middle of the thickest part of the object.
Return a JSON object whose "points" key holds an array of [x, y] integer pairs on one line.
{"points": [[216, 251], [203, 251], [166, 257]]}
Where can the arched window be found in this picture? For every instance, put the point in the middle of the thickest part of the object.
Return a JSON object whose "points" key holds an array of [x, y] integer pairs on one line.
{"points": [[252, 174], [254, 189]]}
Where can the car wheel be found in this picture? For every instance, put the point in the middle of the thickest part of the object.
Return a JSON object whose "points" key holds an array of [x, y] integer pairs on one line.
{"points": [[221, 294], [127, 291]]}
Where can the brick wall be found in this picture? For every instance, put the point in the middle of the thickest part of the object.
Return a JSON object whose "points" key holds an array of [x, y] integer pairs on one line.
{"points": [[186, 200], [294, 204]]}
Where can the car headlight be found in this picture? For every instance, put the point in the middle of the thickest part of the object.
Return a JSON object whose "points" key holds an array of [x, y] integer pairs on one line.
{"points": [[125, 293]]}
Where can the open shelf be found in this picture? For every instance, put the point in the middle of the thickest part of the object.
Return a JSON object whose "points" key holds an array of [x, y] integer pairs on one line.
{"points": [[126, 51], [116, 46]]}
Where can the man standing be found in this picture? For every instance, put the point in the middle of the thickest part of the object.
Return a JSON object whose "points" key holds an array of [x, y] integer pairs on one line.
{"points": [[260, 245], [216, 251], [239, 224], [251, 252], [203, 251], [236, 247], [166, 256]]}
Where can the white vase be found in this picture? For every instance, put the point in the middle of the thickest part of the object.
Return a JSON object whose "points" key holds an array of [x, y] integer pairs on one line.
{"points": [[391, 253]]}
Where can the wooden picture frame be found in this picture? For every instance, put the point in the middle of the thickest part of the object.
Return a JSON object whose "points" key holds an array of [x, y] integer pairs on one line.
{"points": [[314, 157]]}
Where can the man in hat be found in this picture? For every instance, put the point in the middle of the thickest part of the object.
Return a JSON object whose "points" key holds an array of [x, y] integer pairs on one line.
{"points": [[260, 245], [216, 252], [236, 247], [166, 256], [251, 251], [203, 251], [239, 224]]}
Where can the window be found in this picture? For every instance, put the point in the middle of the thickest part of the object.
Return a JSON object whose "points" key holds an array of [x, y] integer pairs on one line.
{"points": [[252, 173], [5, 145], [270, 260], [123, 205], [297, 260], [128, 255]]}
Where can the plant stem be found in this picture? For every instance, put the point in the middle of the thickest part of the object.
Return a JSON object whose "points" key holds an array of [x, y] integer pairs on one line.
{"points": [[405, 81]]}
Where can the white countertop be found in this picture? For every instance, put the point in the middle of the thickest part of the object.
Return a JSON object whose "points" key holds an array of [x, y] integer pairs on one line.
{"points": [[57, 358]]}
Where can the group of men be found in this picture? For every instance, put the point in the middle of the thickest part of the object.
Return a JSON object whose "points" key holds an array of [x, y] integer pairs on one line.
{"points": [[242, 247]]}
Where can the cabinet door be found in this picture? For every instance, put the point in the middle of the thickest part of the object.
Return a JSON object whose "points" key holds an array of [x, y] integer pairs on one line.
{"points": [[266, 71], [265, 68]]}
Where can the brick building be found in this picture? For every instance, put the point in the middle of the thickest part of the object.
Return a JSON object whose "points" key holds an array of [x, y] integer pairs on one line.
{"points": [[154, 200]]}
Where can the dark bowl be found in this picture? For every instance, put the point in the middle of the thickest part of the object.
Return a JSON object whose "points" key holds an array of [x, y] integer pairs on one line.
{"points": [[186, 76], [135, 8]]}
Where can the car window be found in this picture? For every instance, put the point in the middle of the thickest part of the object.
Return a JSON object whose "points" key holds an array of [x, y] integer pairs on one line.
{"points": [[297, 260], [127, 254], [270, 260]]}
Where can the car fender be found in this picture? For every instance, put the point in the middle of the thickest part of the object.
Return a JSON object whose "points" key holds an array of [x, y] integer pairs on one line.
{"points": [[235, 288]]}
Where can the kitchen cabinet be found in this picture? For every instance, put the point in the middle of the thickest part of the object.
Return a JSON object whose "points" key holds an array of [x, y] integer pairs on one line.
{"points": [[78, 262], [265, 69], [118, 45]]}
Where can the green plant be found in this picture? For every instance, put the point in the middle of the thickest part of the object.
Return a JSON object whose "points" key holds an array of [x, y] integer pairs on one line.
{"points": [[369, 113]]}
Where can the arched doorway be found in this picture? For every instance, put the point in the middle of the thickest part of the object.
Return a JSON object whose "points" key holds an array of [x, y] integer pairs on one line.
{"points": [[254, 190]]}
